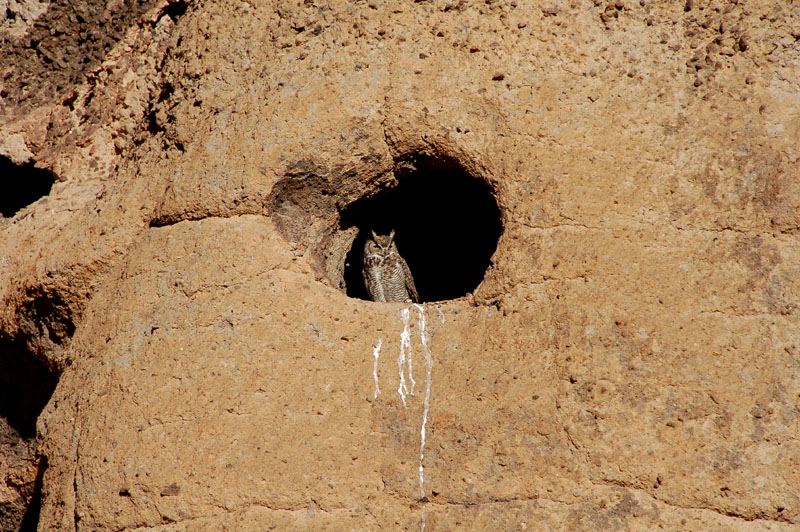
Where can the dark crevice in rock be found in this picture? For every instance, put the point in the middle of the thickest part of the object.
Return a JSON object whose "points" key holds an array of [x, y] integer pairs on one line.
{"points": [[151, 118], [30, 521], [153, 127], [30, 357], [447, 226], [46, 322], [26, 384], [29, 372], [176, 9], [18, 478], [22, 185]]}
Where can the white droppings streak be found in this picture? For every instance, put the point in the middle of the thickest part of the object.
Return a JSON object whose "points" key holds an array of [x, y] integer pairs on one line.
{"points": [[405, 337], [405, 341], [423, 336], [404, 365], [439, 310], [376, 353]]}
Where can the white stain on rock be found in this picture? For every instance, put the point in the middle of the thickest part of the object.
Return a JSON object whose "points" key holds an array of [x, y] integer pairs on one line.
{"points": [[423, 336], [376, 353], [404, 362], [406, 386]]}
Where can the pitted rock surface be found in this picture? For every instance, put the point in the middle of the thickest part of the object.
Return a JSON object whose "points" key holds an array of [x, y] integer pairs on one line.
{"points": [[630, 361]]}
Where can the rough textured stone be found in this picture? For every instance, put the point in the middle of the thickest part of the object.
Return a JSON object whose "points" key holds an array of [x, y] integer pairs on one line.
{"points": [[629, 362]]}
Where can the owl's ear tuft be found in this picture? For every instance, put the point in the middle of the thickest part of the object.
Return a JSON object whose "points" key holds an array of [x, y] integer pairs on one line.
{"points": [[391, 236], [374, 236]]}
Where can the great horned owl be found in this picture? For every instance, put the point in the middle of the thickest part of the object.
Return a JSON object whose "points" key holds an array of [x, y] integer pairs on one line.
{"points": [[386, 274]]}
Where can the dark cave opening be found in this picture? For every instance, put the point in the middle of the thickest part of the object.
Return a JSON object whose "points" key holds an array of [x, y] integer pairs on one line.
{"points": [[26, 385], [28, 377], [22, 185], [176, 9], [447, 225]]}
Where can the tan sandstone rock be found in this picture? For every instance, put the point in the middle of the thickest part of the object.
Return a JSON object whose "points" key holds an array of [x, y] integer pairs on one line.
{"points": [[630, 360]]}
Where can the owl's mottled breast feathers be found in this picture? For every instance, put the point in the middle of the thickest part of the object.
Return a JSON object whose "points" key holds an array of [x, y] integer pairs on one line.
{"points": [[386, 275]]}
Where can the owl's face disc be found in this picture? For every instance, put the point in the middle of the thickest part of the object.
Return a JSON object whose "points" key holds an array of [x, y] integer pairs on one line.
{"points": [[381, 244]]}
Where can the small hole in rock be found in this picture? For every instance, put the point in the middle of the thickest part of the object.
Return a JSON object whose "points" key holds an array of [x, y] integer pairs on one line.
{"points": [[22, 185], [447, 224], [176, 10]]}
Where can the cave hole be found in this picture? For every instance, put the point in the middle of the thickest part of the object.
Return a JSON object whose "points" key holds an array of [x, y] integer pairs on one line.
{"points": [[22, 185], [176, 9], [447, 224], [26, 385], [28, 376]]}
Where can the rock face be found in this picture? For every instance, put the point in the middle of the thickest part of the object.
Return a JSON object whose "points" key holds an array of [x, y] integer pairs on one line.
{"points": [[600, 202]]}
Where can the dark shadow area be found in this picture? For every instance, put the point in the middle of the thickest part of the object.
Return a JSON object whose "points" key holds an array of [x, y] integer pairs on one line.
{"points": [[447, 225], [30, 521], [26, 385], [176, 10], [48, 318], [22, 185], [18, 478]]}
